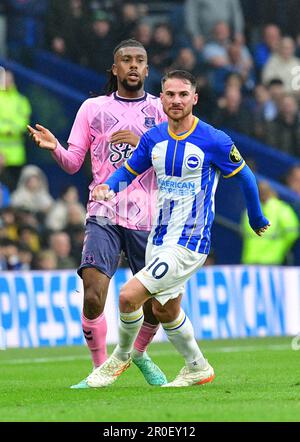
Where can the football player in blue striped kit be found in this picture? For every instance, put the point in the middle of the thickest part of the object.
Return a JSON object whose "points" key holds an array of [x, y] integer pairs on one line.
{"points": [[188, 157]]}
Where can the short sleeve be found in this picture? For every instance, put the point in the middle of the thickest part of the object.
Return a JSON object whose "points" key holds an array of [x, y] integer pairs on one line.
{"points": [[226, 156], [140, 159]]}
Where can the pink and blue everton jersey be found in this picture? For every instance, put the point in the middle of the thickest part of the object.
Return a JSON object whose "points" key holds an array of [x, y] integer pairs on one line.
{"points": [[188, 168], [95, 122]]}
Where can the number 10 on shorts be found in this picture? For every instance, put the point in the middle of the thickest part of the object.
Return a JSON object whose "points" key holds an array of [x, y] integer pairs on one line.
{"points": [[159, 268]]}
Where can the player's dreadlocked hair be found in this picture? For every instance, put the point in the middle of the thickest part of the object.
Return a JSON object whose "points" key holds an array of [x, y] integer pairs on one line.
{"points": [[112, 83]]}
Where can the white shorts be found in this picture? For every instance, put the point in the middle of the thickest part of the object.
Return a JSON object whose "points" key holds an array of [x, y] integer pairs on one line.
{"points": [[167, 270]]}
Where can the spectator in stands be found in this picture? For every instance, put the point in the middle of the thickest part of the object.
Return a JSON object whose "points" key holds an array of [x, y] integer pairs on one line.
{"points": [[187, 59], [292, 178], [284, 131], [215, 51], [127, 18], [264, 110], [75, 227], [281, 64], [232, 113], [274, 247], [27, 217], [162, 52], [15, 113], [101, 42], [9, 222], [240, 62], [10, 250], [143, 33], [276, 91], [268, 46], [224, 56], [32, 191], [202, 15], [233, 79], [60, 244], [67, 29], [45, 260], [57, 217], [283, 13], [161, 55], [26, 257], [76, 232], [75, 215], [29, 236]]}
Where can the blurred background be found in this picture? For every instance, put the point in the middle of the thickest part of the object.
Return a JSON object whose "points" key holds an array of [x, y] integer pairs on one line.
{"points": [[55, 54]]}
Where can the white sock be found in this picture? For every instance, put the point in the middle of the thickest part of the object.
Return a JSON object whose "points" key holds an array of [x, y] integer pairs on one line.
{"points": [[181, 334], [129, 326]]}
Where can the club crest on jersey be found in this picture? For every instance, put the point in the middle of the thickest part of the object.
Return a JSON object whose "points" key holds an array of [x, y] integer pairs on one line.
{"points": [[149, 122], [192, 162], [235, 156]]}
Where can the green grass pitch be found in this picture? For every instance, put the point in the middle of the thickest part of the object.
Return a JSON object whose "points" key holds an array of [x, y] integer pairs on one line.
{"points": [[256, 380]]}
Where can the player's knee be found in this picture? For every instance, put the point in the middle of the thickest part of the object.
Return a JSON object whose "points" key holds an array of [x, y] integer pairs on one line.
{"points": [[127, 302], [124, 299]]}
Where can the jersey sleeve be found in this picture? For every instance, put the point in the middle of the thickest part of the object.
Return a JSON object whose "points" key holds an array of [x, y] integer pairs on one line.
{"points": [[141, 160], [71, 159], [80, 132], [226, 156]]}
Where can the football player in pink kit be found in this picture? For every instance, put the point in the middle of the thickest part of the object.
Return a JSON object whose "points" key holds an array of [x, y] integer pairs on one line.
{"points": [[110, 127]]}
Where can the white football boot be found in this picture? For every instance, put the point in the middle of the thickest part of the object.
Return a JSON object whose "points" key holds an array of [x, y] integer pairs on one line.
{"points": [[187, 377], [108, 372]]}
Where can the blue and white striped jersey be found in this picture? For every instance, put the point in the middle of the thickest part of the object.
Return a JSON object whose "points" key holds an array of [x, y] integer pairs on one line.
{"points": [[188, 168]]}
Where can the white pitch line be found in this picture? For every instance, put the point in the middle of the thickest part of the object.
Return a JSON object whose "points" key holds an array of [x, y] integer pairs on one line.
{"points": [[236, 349]]}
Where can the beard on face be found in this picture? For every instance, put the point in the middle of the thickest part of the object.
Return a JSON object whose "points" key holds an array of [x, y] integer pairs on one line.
{"points": [[132, 87]]}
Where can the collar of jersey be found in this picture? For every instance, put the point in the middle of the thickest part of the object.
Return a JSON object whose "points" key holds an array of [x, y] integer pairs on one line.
{"points": [[116, 97], [186, 134]]}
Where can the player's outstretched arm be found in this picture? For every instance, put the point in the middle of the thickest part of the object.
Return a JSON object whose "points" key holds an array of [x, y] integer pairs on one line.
{"points": [[42, 137], [107, 190], [257, 220]]}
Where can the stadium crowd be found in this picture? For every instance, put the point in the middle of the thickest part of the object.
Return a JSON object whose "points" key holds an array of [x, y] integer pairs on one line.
{"points": [[244, 54]]}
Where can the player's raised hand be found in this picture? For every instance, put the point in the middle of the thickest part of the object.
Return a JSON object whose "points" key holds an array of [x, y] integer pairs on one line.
{"points": [[102, 193], [42, 137], [125, 136], [262, 230]]}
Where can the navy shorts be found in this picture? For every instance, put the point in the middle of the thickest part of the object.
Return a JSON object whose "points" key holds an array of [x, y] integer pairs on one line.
{"points": [[104, 242]]}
